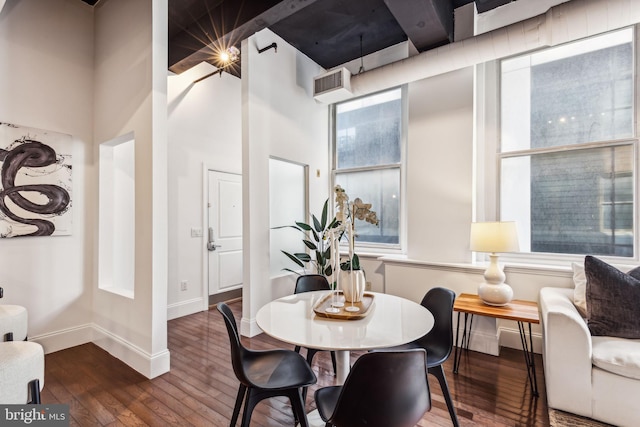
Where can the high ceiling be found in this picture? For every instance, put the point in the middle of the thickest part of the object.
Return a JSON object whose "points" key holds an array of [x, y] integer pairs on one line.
{"points": [[330, 32]]}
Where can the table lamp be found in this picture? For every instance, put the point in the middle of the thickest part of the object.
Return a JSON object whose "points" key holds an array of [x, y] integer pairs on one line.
{"points": [[494, 237]]}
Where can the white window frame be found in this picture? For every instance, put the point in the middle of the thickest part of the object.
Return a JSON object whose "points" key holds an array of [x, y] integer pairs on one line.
{"points": [[487, 164], [368, 248]]}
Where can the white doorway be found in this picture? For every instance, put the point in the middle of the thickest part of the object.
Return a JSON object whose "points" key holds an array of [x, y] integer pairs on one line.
{"points": [[224, 231]]}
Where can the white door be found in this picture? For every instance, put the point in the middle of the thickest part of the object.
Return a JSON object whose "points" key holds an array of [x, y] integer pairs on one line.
{"points": [[224, 242]]}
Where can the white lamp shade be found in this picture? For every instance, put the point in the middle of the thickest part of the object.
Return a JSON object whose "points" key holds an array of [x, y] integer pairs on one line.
{"points": [[494, 237]]}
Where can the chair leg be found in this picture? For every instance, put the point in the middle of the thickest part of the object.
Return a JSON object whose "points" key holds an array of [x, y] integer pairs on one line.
{"points": [[297, 349], [438, 372], [242, 391], [310, 353], [34, 392], [297, 404], [249, 403], [333, 362]]}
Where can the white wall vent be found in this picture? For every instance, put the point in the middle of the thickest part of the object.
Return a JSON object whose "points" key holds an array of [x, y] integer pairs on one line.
{"points": [[333, 86]]}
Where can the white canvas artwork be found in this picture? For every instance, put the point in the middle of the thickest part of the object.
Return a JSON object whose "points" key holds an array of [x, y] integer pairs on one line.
{"points": [[35, 182]]}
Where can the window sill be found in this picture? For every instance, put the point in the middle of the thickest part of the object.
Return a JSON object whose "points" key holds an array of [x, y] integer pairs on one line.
{"points": [[480, 267]]}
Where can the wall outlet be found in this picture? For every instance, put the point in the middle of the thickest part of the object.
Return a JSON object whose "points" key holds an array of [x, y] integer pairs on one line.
{"points": [[183, 285], [367, 286]]}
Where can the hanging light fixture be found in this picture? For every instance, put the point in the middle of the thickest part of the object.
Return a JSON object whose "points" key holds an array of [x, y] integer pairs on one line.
{"points": [[229, 55]]}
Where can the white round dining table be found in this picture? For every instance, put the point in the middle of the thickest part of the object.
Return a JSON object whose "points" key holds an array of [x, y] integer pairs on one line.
{"points": [[390, 321]]}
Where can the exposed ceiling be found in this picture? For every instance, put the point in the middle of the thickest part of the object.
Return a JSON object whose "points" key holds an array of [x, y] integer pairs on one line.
{"points": [[330, 32]]}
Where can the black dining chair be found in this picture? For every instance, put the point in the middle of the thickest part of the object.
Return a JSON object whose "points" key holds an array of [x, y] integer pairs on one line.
{"points": [[439, 341], [383, 389], [266, 373], [309, 283]]}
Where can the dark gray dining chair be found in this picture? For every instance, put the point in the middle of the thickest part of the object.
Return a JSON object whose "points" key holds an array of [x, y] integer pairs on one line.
{"points": [[266, 373], [439, 341], [383, 389], [310, 283]]}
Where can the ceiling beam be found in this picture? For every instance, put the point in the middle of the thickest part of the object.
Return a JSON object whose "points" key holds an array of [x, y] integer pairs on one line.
{"points": [[486, 5], [226, 25], [427, 23]]}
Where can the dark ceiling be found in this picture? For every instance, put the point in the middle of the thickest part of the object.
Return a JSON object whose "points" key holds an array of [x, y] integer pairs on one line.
{"points": [[330, 32]]}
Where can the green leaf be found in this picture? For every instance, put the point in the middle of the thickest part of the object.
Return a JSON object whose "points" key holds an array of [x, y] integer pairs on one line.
{"points": [[324, 214], [317, 224], [328, 271], [310, 245], [291, 271], [293, 258], [327, 253], [302, 256], [356, 262], [286, 226], [302, 225], [315, 236]]}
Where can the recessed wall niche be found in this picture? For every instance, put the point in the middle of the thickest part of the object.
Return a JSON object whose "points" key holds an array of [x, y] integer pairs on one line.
{"points": [[116, 216]]}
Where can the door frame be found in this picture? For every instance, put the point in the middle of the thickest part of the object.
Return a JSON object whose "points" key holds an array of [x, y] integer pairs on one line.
{"points": [[205, 222]]}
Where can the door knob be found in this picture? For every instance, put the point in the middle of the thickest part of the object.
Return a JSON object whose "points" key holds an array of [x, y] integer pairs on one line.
{"points": [[211, 246]]}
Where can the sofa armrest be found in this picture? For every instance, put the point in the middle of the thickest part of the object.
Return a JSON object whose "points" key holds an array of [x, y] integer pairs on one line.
{"points": [[566, 352]]}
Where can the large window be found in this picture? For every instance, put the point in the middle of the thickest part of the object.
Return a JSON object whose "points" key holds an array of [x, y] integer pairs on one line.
{"points": [[567, 147], [368, 160]]}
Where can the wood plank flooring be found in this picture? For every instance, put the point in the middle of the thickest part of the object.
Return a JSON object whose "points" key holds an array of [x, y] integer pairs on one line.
{"points": [[200, 389]]}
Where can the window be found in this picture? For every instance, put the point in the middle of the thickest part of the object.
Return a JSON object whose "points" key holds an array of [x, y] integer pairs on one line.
{"points": [[368, 134], [567, 155]]}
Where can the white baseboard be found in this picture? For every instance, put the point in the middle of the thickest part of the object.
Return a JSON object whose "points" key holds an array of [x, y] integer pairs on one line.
{"points": [[490, 344], [65, 338], [184, 308], [149, 365], [511, 338], [249, 328], [482, 342]]}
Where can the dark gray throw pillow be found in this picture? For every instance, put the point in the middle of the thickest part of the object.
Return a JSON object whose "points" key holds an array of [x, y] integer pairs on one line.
{"points": [[613, 300]]}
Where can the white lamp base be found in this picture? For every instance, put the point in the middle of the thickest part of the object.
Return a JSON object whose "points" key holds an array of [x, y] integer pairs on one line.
{"points": [[495, 294]]}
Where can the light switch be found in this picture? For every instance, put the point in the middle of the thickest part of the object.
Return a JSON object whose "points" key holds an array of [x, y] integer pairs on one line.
{"points": [[196, 232]]}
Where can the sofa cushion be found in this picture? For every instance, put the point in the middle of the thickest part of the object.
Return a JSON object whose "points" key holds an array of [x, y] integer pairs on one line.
{"points": [[580, 285], [580, 288], [613, 300], [620, 356]]}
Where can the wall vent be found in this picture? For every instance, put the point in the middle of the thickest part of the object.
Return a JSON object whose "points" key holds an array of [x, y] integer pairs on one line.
{"points": [[333, 86]]}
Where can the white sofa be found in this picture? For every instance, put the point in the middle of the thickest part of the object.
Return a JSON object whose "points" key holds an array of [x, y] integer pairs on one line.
{"points": [[596, 377]]}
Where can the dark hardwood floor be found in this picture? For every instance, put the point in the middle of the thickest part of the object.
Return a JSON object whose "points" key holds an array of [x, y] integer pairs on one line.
{"points": [[200, 389]]}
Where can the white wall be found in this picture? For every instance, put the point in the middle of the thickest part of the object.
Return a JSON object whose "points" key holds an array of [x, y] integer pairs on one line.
{"points": [[130, 96], [204, 130], [46, 81], [439, 167], [281, 119]]}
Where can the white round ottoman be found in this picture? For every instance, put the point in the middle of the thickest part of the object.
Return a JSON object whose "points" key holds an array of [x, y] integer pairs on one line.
{"points": [[21, 362], [13, 319]]}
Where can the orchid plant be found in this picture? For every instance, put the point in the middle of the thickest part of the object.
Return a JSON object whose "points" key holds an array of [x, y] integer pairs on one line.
{"points": [[347, 213]]}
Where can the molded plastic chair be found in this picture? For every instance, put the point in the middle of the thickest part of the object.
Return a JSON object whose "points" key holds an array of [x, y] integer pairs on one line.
{"points": [[439, 341], [264, 374], [383, 389], [309, 283]]}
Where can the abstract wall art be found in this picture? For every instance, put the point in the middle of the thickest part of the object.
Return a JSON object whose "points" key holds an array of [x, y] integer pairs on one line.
{"points": [[35, 182]]}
